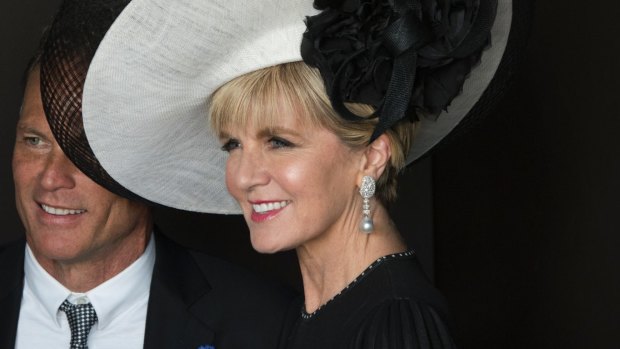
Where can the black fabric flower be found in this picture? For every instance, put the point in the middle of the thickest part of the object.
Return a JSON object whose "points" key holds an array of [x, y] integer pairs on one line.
{"points": [[404, 57]]}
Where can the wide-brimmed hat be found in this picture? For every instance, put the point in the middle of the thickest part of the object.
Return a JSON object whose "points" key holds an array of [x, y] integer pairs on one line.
{"points": [[145, 102]]}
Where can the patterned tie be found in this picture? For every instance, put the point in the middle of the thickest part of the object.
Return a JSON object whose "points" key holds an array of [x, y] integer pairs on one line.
{"points": [[81, 318]]}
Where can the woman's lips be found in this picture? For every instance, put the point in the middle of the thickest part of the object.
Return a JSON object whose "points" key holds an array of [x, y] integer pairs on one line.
{"points": [[264, 210]]}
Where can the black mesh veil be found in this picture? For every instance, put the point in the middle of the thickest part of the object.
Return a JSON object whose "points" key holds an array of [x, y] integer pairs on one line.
{"points": [[66, 52]]}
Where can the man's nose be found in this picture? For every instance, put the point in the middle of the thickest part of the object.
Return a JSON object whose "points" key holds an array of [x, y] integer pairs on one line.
{"points": [[59, 172]]}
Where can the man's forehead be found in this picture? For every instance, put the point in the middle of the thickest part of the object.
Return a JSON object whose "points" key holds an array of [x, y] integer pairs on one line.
{"points": [[32, 105], [31, 118]]}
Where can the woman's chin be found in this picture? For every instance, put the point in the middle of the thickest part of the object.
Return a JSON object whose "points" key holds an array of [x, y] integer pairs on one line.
{"points": [[268, 246], [266, 249]]}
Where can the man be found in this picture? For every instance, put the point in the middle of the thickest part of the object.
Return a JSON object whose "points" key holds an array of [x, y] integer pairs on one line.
{"points": [[92, 271]]}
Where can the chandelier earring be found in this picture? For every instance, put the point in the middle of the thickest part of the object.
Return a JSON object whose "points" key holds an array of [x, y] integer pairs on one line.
{"points": [[367, 190]]}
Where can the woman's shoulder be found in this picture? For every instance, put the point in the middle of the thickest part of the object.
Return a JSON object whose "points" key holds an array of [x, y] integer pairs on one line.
{"points": [[402, 277], [392, 304], [410, 312], [403, 323]]}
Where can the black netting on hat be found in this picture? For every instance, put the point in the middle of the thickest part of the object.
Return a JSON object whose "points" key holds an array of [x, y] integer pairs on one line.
{"points": [[67, 50]]}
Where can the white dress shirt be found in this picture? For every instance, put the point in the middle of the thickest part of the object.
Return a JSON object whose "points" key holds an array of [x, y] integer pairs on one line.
{"points": [[120, 304]]}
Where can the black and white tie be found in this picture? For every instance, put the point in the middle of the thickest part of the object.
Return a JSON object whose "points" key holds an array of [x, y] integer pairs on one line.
{"points": [[81, 318]]}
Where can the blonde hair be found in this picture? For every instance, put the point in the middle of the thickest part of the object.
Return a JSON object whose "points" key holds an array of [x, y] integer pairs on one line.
{"points": [[298, 88]]}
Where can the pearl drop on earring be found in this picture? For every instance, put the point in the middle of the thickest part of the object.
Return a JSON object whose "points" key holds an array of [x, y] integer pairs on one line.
{"points": [[367, 190], [367, 226]]}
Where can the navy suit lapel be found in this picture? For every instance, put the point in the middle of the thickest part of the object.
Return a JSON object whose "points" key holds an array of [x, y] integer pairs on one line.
{"points": [[12, 276], [177, 286]]}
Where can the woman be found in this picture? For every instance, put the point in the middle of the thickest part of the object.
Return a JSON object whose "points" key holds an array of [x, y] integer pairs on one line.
{"points": [[301, 174], [313, 137]]}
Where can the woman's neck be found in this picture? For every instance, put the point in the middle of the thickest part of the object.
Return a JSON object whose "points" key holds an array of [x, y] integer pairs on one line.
{"points": [[330, 264]]}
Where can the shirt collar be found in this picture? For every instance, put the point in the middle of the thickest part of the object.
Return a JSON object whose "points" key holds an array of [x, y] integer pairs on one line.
{"points": [[47, 290], [109, 299]]}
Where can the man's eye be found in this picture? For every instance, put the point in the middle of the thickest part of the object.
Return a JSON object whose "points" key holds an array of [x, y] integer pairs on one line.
{"points": [[277, 142], [230, 145], [32, 140]]}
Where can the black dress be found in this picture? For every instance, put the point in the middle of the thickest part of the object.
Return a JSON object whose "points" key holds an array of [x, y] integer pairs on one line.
{"points": [[390, 305]]}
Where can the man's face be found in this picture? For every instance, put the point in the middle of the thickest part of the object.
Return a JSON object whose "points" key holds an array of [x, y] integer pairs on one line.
{"points": [[68, 218]]}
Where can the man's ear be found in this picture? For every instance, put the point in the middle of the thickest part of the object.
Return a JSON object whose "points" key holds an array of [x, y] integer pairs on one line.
{"points": [[376, 157]]}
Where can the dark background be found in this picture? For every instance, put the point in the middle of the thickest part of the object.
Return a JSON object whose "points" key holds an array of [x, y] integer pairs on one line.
{"points": [[518, 221]]}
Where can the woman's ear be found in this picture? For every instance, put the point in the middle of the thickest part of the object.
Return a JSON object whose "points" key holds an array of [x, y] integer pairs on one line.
{"points": [[376, 157]]}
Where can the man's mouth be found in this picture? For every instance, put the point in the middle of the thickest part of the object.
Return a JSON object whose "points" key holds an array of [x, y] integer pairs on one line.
{"points": [[61, 211]]}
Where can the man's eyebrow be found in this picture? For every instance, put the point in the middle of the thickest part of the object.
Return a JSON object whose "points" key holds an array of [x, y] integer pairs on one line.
{"points": [[24, 126], [27, 128]]}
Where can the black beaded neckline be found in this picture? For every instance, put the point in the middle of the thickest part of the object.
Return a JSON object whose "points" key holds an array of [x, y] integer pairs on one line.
{"points": [[305, 315]]}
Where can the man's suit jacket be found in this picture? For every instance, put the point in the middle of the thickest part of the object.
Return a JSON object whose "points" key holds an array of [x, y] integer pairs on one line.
{"points": [[196, 301]]}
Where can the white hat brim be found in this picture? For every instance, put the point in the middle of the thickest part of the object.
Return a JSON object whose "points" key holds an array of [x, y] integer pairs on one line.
{"points": [[146, 93]]}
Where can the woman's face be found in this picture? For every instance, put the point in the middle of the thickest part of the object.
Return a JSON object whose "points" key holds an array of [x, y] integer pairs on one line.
{"points": [[295, 183]]}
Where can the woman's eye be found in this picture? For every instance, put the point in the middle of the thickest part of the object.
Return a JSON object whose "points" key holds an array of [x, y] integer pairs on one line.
{"points": [[277, 142], [231, 144]]}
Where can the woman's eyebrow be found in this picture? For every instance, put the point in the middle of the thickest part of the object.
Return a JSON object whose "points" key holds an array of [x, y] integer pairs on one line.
{"points": [[223, 135], [270, 131]]}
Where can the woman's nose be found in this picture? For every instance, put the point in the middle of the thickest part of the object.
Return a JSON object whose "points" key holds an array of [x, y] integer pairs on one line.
{"points": [[249, 170]]}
